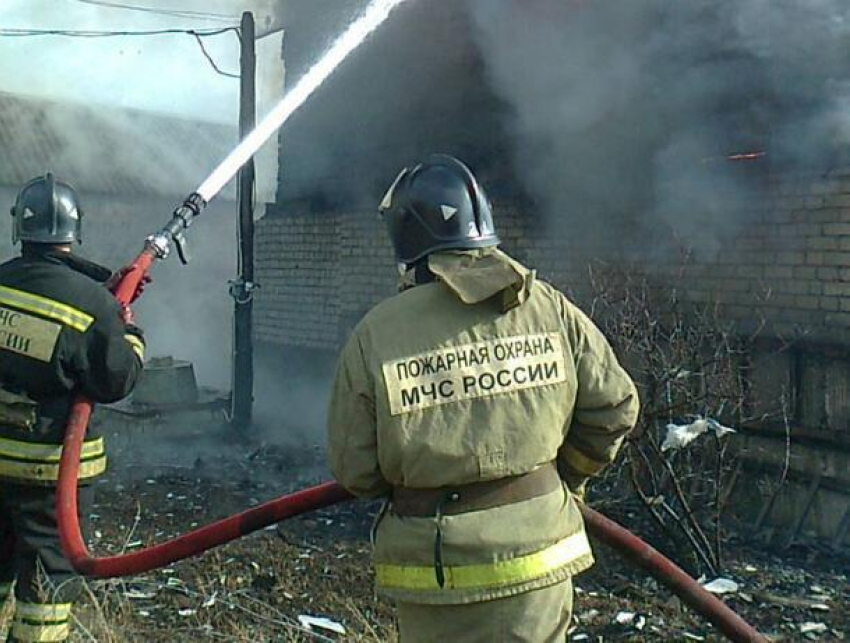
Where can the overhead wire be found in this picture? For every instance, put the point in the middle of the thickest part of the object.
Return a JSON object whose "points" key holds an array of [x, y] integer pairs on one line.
{"points": [[178, 13], [198, 34], [10, 32], [212, 62]]}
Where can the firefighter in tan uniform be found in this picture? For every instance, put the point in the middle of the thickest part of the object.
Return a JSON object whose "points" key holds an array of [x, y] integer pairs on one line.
{"points": [[61, 334], [478, 401]]}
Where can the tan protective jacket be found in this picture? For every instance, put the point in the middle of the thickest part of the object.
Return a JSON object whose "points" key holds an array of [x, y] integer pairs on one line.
{"points": [[484, 374]]}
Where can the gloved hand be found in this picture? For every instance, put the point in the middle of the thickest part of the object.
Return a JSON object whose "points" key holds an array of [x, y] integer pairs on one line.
{"points": [[113, 281], [126, 316]]}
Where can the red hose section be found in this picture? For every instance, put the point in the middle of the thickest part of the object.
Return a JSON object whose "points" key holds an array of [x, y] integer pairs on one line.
{"points": [[323, 495], [666, 571], [184, 546], [133, 275], [70, 537]]}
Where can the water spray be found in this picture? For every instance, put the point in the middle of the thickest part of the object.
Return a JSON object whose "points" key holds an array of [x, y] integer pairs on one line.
{"points": [[159, 245]]}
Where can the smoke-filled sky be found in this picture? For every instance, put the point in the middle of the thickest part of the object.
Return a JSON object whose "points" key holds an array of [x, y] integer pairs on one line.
{"points": [[649, 95], [634, 106], [606, 111]]}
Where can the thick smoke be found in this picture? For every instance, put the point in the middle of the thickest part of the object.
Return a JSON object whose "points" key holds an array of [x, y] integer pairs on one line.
{"points": [[411, 89], [629, 111]]}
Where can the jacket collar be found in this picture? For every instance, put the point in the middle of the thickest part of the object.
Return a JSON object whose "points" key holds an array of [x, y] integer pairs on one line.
{"points": [[478, 275], [76, 263]]}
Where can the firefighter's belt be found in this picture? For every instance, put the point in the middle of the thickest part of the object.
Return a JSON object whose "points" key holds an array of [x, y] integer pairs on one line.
{"points": [[475, 496]]}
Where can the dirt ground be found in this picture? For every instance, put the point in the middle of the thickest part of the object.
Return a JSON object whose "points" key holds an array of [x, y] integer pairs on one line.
{"points": [[255, 589]]}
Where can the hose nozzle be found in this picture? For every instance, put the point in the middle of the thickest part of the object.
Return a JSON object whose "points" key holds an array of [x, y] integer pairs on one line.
{"points": [[173, 232]]}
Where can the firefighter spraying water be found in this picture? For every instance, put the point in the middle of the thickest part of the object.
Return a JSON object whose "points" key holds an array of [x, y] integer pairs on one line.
{"points": [[158, 246], [63, 334]]}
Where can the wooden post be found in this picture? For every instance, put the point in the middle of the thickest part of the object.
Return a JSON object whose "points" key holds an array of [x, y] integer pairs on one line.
{"points": [[243, 288]]}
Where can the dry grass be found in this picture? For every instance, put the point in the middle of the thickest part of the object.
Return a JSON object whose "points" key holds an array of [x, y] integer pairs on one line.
{"points": [[254, 589]]}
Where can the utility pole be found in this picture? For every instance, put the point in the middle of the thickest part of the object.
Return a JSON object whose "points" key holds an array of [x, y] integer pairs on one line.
{"points": [[242, 289]]}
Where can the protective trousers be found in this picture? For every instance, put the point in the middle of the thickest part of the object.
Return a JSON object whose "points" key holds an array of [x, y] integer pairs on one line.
{"points": [[31, 560], [538, 616]]}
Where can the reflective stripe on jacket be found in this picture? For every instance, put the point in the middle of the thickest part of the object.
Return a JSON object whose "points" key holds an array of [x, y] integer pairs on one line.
{"points": [[41, 622], [39, 463], [571, 554]]}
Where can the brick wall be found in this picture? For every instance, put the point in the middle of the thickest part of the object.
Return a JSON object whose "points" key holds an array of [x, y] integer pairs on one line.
{"points": [[296, 267], [782, 265], [788, 266], [318, 276], [320, 273]]}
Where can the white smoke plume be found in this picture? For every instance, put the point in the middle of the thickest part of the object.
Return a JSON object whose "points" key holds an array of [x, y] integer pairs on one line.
{"points": [[167, 73]]}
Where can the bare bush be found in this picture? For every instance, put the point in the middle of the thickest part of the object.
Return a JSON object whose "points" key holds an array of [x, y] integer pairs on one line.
{"points": [[688, 363]]}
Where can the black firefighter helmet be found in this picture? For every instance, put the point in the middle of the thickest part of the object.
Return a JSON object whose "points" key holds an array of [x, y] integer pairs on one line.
{"points": [[47, 211], [437, 205]]}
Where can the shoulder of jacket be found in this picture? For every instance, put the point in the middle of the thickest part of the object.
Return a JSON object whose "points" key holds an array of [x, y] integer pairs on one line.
{"points": [[575, 321], [391, 313], [85, 292], [544, 289], [400, 305], [57, 282]]}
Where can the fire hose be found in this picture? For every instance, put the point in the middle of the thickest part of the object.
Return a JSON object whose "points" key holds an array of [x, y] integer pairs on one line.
{"points": [[311, 499], [158, 246]]}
